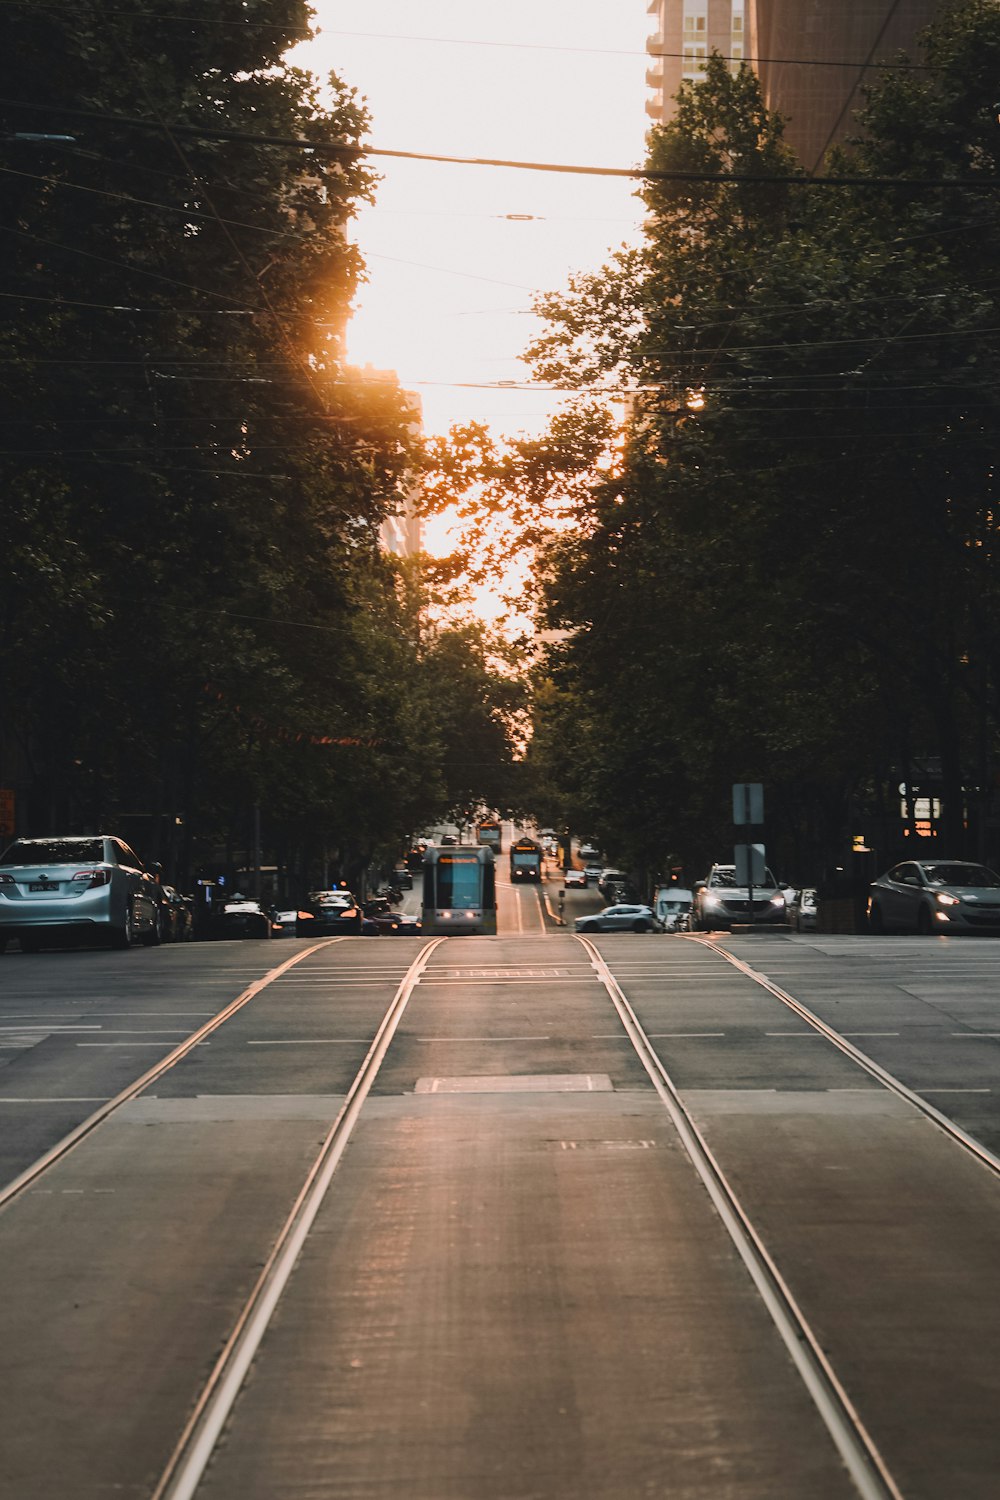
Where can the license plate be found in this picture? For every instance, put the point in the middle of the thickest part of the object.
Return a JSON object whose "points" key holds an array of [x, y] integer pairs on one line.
{"points": [[41, 885]]}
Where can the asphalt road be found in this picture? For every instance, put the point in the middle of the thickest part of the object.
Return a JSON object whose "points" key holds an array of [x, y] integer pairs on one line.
{"points": [[516, 1284]]}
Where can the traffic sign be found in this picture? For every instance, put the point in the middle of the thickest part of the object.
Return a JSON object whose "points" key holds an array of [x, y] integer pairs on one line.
{"points": [[748, 803], [750, 864]]}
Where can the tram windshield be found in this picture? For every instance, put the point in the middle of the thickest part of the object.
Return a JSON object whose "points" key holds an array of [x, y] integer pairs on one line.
{"points": [[459, 883]]}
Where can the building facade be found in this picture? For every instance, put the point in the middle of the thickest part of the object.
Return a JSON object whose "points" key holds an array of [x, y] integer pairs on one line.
{"points": [[686, 32], [803, 46], [812, 56]]}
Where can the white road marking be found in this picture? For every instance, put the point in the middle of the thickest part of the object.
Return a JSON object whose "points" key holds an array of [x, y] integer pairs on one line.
{"points": [[317, 1041], [660, 1035], [483, 1039]]}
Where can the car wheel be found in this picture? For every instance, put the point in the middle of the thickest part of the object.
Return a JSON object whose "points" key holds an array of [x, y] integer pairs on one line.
{"points": [[876, 922], [154, 937], [640, 926], [924, 923], [587, 927], [121, 937]]}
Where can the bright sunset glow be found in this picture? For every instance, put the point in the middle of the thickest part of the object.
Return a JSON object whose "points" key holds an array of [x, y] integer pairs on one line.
{"points": [[455, 253]]}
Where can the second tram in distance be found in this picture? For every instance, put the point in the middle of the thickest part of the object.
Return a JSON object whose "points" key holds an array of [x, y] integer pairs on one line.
{"points": [[459, 890], [525, 860], [489, 831]]}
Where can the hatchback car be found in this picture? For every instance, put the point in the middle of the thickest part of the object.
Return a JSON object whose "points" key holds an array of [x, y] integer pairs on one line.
{"points": [[620, 919], [935, 895], [54, 889]]}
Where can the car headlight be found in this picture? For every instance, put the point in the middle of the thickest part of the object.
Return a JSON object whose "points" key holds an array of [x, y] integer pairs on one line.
{"points": [[946, 899], [777, 900]]}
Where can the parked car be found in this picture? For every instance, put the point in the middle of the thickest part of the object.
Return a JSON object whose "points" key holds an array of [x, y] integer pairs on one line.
{"points": [[176, 915], [82, 887], [287, 921], [719, 901], [620, 919], [327, 912], [575, 879], [241, 918], [935, 895], [801, 910]]}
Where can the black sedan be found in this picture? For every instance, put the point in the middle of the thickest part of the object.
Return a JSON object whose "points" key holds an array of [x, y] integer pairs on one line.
{"points": [[329, 913], [241, 919]]}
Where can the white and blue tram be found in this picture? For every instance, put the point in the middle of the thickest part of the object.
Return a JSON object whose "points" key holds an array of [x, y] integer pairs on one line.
{"points": [[459, 890]]}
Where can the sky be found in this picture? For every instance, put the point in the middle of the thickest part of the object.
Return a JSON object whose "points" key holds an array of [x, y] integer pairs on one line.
{"points": [[451, 276]]}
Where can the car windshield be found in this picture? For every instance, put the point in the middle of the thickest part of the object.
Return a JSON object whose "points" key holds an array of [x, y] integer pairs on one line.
{"points": [[54, 852], [726, 875], [961, 875]]}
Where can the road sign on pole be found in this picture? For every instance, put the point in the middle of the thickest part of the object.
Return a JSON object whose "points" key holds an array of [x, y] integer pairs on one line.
{"points": [[750, 865], [748, 803]]}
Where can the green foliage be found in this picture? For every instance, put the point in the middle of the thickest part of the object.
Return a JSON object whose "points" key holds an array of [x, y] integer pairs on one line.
{"points": [[196, 618], [792, 578]]}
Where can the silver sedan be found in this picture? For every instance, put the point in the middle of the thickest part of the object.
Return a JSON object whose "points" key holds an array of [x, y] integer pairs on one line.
{"points": [[76, 887], [620, 919], [935, 895]]}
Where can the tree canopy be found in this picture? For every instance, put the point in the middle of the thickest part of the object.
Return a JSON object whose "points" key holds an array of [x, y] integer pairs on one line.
{"points": [[197, 618]]}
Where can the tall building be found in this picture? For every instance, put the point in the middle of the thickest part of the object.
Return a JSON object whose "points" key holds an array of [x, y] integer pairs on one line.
{"points": [[812, 56], [686, 32], [803, 46]]}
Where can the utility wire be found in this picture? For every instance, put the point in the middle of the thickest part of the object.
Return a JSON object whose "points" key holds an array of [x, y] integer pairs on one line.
{"points": [[639, 174]]}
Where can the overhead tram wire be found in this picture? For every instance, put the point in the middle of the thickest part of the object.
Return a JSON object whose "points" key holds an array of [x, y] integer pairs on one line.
{"points": [[636, 174]]}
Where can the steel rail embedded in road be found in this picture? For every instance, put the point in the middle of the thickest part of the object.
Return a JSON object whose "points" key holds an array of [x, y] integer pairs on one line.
{"points": [[855, 1445], [175, 1055], [197, 1442], [888, 1080]]}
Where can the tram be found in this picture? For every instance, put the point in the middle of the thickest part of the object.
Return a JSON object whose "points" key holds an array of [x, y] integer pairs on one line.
{"points": [[459, 890], [525, 860], [490, 832]]}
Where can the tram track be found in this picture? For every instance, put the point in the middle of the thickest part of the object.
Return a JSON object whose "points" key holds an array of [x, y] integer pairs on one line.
{"points": [[854, 1443], [215, 1398], [186, 1465], [888, 1080], [61, 1148]]}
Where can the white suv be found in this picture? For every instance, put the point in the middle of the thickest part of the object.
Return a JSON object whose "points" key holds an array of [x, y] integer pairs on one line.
{"points": [[719, 901]]}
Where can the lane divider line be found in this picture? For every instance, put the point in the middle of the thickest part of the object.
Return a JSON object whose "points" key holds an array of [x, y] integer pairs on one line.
{"points": [[86, 1127]]}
